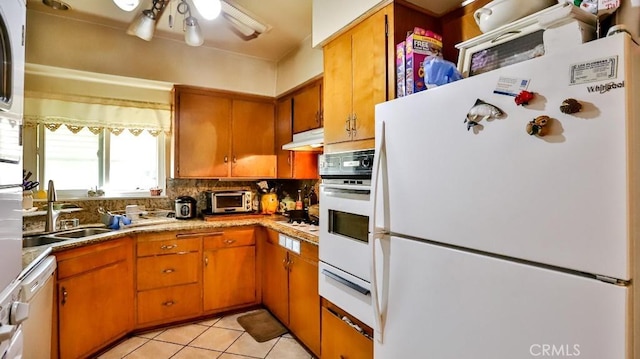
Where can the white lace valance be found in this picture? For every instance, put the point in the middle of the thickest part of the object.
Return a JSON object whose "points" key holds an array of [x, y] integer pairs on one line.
{"points": [[96, 113]]}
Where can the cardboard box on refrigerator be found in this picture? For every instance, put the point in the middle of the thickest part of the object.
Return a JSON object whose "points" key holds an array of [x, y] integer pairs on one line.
{"points": [[401, 88], [419, 45]]}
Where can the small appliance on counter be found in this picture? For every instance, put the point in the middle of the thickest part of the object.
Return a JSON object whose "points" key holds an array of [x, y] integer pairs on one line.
{"points": [[237, 201], [186, 207]]}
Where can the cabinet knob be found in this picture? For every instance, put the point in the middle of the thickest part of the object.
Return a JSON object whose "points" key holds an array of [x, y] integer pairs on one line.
{"points": [[285, 263], [226, 159], [229, 241], [65, 294], [168, 303], [206, 261], [235, 159], [168, 270], [167, 247]]}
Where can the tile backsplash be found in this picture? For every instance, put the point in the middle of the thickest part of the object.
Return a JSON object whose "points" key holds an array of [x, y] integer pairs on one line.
{"points": [[175, 188]]}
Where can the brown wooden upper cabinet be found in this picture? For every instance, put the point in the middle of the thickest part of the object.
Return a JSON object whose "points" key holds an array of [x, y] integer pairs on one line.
{"points": [[307, 107], [359, 72], [302, 106], [223, 134]]}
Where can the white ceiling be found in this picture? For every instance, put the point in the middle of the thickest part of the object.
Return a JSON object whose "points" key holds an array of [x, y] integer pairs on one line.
{"points": [[290, 22]]}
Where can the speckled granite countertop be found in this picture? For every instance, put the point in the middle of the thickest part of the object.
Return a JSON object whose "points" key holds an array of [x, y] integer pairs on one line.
{"points": [[273, 222]]}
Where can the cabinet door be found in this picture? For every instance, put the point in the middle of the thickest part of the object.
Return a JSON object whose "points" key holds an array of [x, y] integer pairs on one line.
{"points": [[368, 55], [339, 340], [291, 164], [229, 277], [283, 136], [304, 301], [94, 308], [307, 108], [202, 135], [253, 132], [337, 97], [275, 291]]}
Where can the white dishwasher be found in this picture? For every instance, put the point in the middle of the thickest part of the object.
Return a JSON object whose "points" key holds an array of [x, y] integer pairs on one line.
{"points": [[37, 291]]}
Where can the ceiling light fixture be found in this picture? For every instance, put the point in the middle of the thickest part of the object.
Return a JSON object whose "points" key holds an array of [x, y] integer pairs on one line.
{"points": [[145, 24], [56, 5], [127, 5], [209, 9], [192, 32]]}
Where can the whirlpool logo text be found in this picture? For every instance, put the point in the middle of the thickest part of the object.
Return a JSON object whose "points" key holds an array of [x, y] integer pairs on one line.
{"points": [[606, 87]]}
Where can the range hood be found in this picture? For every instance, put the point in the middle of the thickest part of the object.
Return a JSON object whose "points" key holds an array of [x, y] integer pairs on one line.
{"points": [[311, 140]]}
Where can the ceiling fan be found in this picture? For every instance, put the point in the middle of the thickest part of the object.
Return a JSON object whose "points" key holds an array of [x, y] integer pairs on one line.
{"points": [[242, 24]]}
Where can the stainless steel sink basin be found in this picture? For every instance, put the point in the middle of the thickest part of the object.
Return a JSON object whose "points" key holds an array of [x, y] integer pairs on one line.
{"points": [[41, 240], [80, 233]]}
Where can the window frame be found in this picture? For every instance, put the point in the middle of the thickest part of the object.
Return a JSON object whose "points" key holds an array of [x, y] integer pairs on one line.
{"points": [[34, 158]]}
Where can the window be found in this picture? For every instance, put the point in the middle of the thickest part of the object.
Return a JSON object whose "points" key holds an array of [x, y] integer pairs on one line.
{"points": [[86, 158]]}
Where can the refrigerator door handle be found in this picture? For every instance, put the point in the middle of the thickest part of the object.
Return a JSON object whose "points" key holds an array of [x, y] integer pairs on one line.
{"points": [[379, 312], [346, 282]]}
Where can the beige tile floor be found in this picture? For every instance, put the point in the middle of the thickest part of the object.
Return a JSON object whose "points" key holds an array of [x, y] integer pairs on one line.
{"points": [[221, 338]]}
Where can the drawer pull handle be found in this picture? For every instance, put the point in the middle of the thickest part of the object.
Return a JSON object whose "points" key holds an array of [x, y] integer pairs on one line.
{"points": [[168, 270], [229, 241], [168, 303], [65, 294], [346, 282], [206, 261], [167, 247]]}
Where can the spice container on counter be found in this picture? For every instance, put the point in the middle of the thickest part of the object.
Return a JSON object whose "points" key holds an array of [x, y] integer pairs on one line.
{"points": [[299, 201]]}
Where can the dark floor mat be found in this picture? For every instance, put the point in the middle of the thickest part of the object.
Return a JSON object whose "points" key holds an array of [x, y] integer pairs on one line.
{"points": [[261, 325]]}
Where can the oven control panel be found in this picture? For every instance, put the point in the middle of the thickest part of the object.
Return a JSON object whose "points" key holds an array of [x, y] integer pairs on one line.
{"points": [[353, 164]]}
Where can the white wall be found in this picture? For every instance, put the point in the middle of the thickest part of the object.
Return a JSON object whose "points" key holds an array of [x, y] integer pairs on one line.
{"points": [[298, 66], [329, 16], [59, 42]]}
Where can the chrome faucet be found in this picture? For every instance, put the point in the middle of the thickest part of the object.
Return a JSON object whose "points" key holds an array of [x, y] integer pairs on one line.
{"points": [[52, 215]]}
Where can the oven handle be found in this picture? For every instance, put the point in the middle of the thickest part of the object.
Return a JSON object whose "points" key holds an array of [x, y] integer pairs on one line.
{"points": [[337, 189], [346, 282]]}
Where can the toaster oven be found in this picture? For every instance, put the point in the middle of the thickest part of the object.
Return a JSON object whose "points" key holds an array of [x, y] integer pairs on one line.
{"points": [[228, 201]]}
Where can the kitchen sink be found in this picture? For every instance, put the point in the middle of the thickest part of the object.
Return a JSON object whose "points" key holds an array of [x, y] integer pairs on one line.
{"points": [[80, 233], [40, 241], [34, 241]]}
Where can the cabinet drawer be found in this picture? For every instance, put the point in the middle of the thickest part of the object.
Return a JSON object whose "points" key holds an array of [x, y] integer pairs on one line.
{"points": [[230, 238], [172, 269], [150, 247], [84, 259], [339, 340], [169, 303]]}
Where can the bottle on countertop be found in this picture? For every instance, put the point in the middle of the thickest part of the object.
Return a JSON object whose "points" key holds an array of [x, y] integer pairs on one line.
{"points": [[313, 197], [299, 201]]}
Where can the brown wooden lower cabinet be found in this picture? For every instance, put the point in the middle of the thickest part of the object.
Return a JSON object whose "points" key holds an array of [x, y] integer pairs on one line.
{"points": [[169, 303], [168, 272], [94, 296], [229, 278], [341, 341], [290, 288], [106, 290]]}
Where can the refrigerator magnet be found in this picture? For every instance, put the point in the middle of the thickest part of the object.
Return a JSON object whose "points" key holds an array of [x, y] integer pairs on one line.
{"points": [[538, 126], [570, 106]]}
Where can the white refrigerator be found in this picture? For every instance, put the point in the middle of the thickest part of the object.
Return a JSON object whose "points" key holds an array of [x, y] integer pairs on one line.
{"points": [[491, 243]]}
